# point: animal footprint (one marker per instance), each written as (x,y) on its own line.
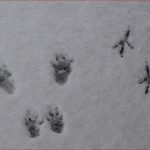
(62,68)
(33,122)
(122,42)
(146,78)
(55,119)
(5,79)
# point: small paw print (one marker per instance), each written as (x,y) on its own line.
(55,119)
(62,68)
(33,122)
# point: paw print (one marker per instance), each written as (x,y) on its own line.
(55,119)
(62,68)
(33,122)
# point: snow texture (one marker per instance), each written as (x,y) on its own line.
(102,103)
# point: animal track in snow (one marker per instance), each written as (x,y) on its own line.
(33,122)
(146,78)
(55,119)
(122,42)
(62,68)
(6,82)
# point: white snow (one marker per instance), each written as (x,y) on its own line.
(102,102)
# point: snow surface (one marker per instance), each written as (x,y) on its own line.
(102,103)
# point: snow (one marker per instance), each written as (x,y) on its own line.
(102,103)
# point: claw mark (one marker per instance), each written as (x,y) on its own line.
(122,42)
(146,79)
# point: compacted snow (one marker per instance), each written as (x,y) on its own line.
(96,101)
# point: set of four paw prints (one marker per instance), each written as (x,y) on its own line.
(32,120)
(62,69)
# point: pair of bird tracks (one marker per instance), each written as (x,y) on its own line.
(120,45)
(33,121)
